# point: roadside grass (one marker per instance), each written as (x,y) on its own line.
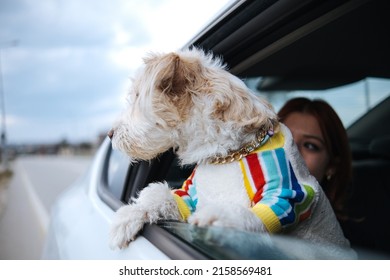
(5,177)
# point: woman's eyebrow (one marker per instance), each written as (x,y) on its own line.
(311,136)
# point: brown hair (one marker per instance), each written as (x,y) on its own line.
(337,145)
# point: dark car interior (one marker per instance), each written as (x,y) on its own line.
(370,189)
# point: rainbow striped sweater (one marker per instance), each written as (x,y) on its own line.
(277,197)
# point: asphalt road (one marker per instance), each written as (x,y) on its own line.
(36,183)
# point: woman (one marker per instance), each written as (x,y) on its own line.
(323,143)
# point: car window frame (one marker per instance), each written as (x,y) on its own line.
(139,175)
(103,190)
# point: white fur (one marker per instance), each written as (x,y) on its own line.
(230,207)
(188,101)
(154,203)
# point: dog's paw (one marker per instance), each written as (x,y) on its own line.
(128,222)
(154,203)
(233,216)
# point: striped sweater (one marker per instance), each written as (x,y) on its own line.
(277,197)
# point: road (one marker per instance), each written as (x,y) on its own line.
(36,183)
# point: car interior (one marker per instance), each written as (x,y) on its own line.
(302,44)
(370,188)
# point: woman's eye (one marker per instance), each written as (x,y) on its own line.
(311,146)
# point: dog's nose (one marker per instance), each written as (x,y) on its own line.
(110,133)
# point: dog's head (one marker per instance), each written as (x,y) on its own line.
(188,101)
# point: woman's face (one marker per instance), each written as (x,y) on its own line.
(310,141)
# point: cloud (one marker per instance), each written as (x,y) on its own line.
(59,23)
(69,74)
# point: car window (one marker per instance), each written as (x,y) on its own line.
(121,181)
(118,165)
(350,101)
(229,243)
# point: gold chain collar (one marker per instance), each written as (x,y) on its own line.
(261,137)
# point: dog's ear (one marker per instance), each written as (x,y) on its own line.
(245,112)
(178,74)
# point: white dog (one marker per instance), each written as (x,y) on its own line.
(249,173)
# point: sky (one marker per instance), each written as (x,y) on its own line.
(66,64)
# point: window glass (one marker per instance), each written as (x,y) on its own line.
(231,243)
(350,101)
(118,164)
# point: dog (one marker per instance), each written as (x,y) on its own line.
(249,174)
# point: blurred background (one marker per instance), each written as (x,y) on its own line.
(65,68)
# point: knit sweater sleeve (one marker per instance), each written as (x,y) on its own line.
(285,210)
(278,198)
(186,198)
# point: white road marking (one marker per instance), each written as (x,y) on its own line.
(38,207)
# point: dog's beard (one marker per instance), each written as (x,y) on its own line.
(141,143)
